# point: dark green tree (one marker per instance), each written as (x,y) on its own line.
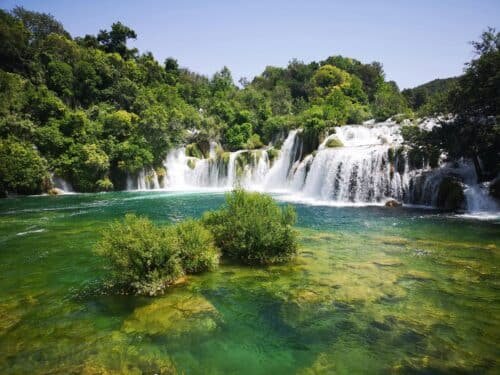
(115,40)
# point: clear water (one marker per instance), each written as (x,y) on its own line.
(373,290)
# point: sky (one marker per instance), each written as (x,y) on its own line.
(416,41)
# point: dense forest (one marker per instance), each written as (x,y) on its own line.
(92,110)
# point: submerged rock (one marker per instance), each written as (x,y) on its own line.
(174,315)
(393,203)
(55,191)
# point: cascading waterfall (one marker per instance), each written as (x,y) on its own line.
(360,170)
(279,175)
(366,164)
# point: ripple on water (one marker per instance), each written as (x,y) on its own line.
(31,232)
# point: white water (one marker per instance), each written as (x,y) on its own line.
(62,184)
(279,175)
(359,173)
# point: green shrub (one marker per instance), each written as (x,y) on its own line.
(22,169)
(104,184)
(143,257)
(197,247)
(253,142)
(253,229)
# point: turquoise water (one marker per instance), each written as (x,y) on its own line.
(373,290)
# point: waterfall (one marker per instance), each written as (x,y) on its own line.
(231,170)
(278,176)
(61,184)
(478,199)
(357,164)
(353,174)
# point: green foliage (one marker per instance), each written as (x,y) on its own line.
(39,25)
(424,146)
(194,151)
(43,104)
(198,252)
(478,91)
(142,257)
(328,77)
(104,184)
(253,142)
(146,259)
(191,163)
(22,170)
(334,142)
(85,164)
(115,40)
(11,93)
(14,43)
(238,135)
(450,194)
(60,78)
(388,101)
(272,154)
(357,113)
(253,229)
(432,97)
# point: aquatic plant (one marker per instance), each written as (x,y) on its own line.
(253,229)
(197,249)
(142,257)
(145,258)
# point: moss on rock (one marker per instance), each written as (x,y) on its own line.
(272,154)
(334,142)
(194,151)
(191,163)
(174,315)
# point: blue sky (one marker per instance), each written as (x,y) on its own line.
(416,41)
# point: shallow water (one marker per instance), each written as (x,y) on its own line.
(373,290)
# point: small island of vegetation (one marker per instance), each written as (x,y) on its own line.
(250,228)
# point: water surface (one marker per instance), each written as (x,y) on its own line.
(373,290)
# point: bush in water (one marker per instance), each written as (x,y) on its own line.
(197,249)
(145,258)
(253,229)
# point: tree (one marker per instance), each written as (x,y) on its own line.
(388,101)
(60,79)
(478,91)
(116,40)
(222,81)
(22,169)
(14,39)
(40,25)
